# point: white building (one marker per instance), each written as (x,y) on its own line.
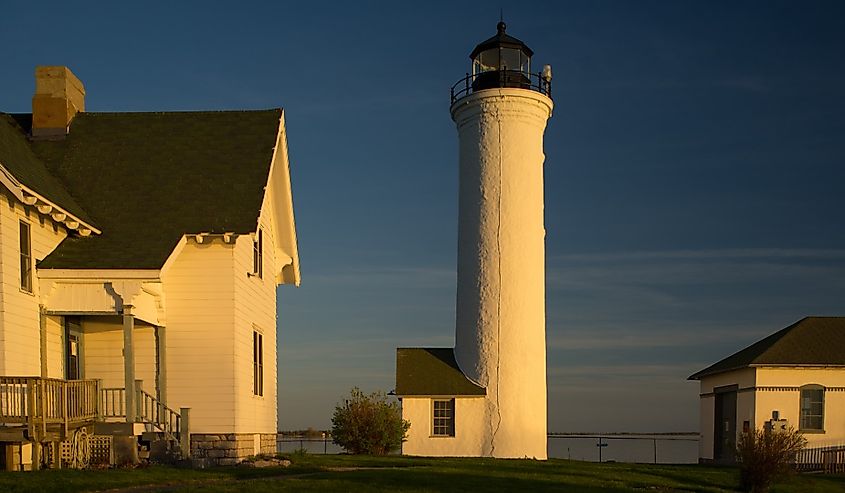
(139,259)
(487,397)
(796,375)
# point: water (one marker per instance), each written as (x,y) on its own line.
(311,445)
(639,449)
(628,449)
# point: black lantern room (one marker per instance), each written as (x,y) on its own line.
(502,61)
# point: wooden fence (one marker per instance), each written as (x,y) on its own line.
(829,459)
(40,402)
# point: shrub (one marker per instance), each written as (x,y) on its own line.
(765,456)
(369,424)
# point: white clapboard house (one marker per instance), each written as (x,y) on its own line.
(139,259)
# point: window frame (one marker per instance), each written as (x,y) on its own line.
(25,256)
(804,412)
(443,418)
(257,363)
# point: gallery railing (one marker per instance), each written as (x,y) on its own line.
(501,79)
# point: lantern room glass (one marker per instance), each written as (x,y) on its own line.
(501,59)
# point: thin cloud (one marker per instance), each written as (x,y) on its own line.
(712,254)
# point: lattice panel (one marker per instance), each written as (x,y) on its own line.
(101,446)
(66,453)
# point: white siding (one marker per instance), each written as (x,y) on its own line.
(200,304)
(470,436)
(55,347)
(102,352)
(787,402)
(19,337)
(255,309)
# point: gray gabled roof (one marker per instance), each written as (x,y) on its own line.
(811,341)
(431,372)
(17,156)
(146,179)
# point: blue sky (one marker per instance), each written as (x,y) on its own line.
(694,171)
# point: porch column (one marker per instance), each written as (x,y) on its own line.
(42,331)
(129,362)
(161,364)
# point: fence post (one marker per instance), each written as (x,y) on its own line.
(140,405)
(185,432)
(654,440)
(599,447)
(30,406)
(99,400)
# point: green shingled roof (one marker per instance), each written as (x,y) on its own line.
(17,157)
(431,372)
(148,178)
(812,341)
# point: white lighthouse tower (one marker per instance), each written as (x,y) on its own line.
(500,339)
(496,396)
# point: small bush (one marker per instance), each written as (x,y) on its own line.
(766,456)
(369,424)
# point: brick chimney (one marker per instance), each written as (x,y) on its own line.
(59,96)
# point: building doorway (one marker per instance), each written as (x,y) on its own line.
(73,348)
(724,441)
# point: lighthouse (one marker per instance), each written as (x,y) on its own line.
(487,396)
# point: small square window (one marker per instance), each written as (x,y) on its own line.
(443,424)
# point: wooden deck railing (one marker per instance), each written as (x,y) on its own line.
(113,402)
(147,409)
(150,410)
(42,405)
(38,402)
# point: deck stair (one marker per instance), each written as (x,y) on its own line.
(50,413)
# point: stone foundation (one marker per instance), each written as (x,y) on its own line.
(227,449)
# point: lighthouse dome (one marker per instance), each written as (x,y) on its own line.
(501,61)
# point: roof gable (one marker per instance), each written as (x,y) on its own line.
(432,372)
(811,341)
(149,178)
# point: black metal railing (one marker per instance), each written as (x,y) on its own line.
(673,448)
(498,79)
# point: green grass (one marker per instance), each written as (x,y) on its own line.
(408,474)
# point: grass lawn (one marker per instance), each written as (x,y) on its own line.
(363,474)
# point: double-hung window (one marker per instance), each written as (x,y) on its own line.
(257,363)
(443,411)
(812,408)
(26,257)
(257,255)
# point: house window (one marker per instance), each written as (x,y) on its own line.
(444,418)
(26,258)
(257,363)
(812,408)
(257,255)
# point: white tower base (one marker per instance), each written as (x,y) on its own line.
(500,327)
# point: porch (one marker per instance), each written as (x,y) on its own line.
(38,411)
